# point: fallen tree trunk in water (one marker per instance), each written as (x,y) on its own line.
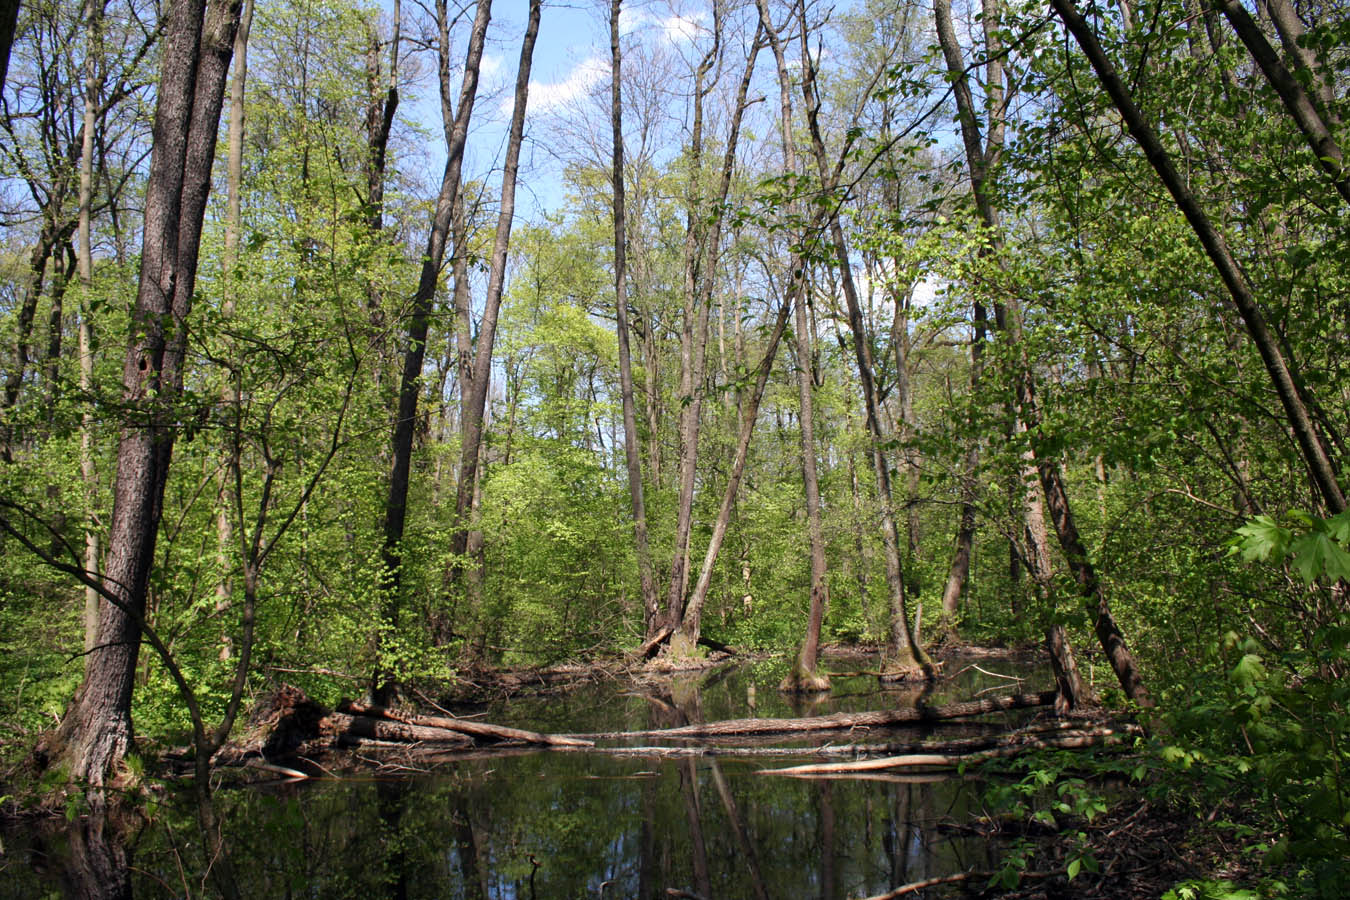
(1102,738)
(841,721)
(480,731)
(1059,735)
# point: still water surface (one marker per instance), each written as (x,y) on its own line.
(573,824)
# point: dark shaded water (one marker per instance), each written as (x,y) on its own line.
(546,825)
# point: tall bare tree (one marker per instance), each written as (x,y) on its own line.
(651,603)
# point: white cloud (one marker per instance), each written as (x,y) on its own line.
(489,66)
(631,19)
(683,29)
(548,97)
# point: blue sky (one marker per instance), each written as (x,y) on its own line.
(571,60)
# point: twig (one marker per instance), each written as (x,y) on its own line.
(931,882)
(995,674)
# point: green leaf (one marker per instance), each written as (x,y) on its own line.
(1315,554)
(1262,539)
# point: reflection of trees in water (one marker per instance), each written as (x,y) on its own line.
(389,797)
(97,864)
(694,816)
(637,827)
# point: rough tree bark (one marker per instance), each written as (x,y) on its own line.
(96,732)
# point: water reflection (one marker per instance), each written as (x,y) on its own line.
(542,825)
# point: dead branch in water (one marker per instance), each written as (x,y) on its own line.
(841,721)
(1099,738)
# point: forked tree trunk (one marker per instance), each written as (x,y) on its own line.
(693,335)
(96,732)
(688,634)
(702,252)
(651,604)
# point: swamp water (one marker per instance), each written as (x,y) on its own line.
(542,824)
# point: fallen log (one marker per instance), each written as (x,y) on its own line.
(839,721)
(944,760)
(341,727)
(652,644)
(1029,739)
(476,730)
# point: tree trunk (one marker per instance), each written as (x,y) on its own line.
(9,21)
(230,393)
(88,474)
(96,732)
(804,675)
(693,336)
(688,634)
(396,505)
(651,604)
(472,425)
(980,160)
(1297,101)
(905,658)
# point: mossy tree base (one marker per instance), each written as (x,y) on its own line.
(681,648)
(907,666)
(801,680)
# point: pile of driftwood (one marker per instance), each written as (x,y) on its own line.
(288,724)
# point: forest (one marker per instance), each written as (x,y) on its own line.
(342,355)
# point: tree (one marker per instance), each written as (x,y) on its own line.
(471,428)
(96,731)
(632,455)
(804,675)
(383,685)
(904,657)
(9,20)
(1320,467)
(981,161)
